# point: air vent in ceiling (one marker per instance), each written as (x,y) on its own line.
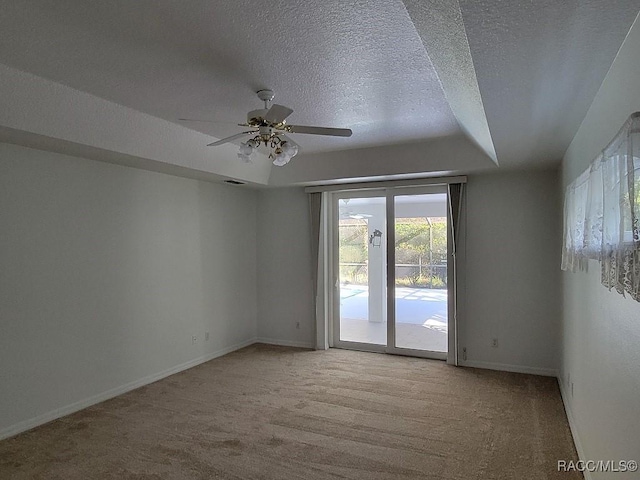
(234,182)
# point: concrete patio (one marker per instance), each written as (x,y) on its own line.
(421,318)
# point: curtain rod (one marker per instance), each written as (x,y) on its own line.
(417,182)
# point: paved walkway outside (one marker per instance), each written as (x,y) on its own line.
(421,318)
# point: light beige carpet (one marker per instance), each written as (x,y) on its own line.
(269,412)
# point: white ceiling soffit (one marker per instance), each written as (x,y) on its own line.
(439,156)
(47,115)
(539,64)
(440,26)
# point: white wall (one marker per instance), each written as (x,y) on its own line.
(285,291)
(512,272)
(105,274)
(601,329)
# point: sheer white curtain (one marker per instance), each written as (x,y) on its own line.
(601,213)
(576,242)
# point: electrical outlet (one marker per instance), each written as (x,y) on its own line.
(206,336)
(298,325)
(464,353)
(194,339)
(494,342)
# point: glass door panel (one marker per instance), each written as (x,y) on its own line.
(362,270)
(421,272)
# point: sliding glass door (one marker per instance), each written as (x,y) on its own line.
(390,264)
(362,279)
(420,256)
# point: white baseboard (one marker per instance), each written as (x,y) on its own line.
(284,343)
(114,392)
(546,372)
(572,427)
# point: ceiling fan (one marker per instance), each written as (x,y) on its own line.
(269,127)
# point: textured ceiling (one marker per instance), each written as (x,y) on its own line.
(347,64)
(539,65)
(441,27)
(425,82)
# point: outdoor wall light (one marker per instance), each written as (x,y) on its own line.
(375,238)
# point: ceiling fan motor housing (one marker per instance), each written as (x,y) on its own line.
(256,117)
(265,95)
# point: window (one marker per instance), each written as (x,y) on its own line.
(601,213)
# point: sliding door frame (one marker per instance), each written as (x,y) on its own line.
(335,264)
(389,193)
(392,193)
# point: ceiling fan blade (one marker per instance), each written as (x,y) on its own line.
(335,132)
(277,113)
(205,121)
(229,139)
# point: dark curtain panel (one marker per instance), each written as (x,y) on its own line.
(315,203)
(455,207)
(454,196)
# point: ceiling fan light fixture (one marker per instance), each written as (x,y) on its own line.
(246,149)
(289,149)
(281,159)
(245,158)
(245,152)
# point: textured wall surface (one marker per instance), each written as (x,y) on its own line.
(512,272)
(106,272)
(285,291)
(601,329)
